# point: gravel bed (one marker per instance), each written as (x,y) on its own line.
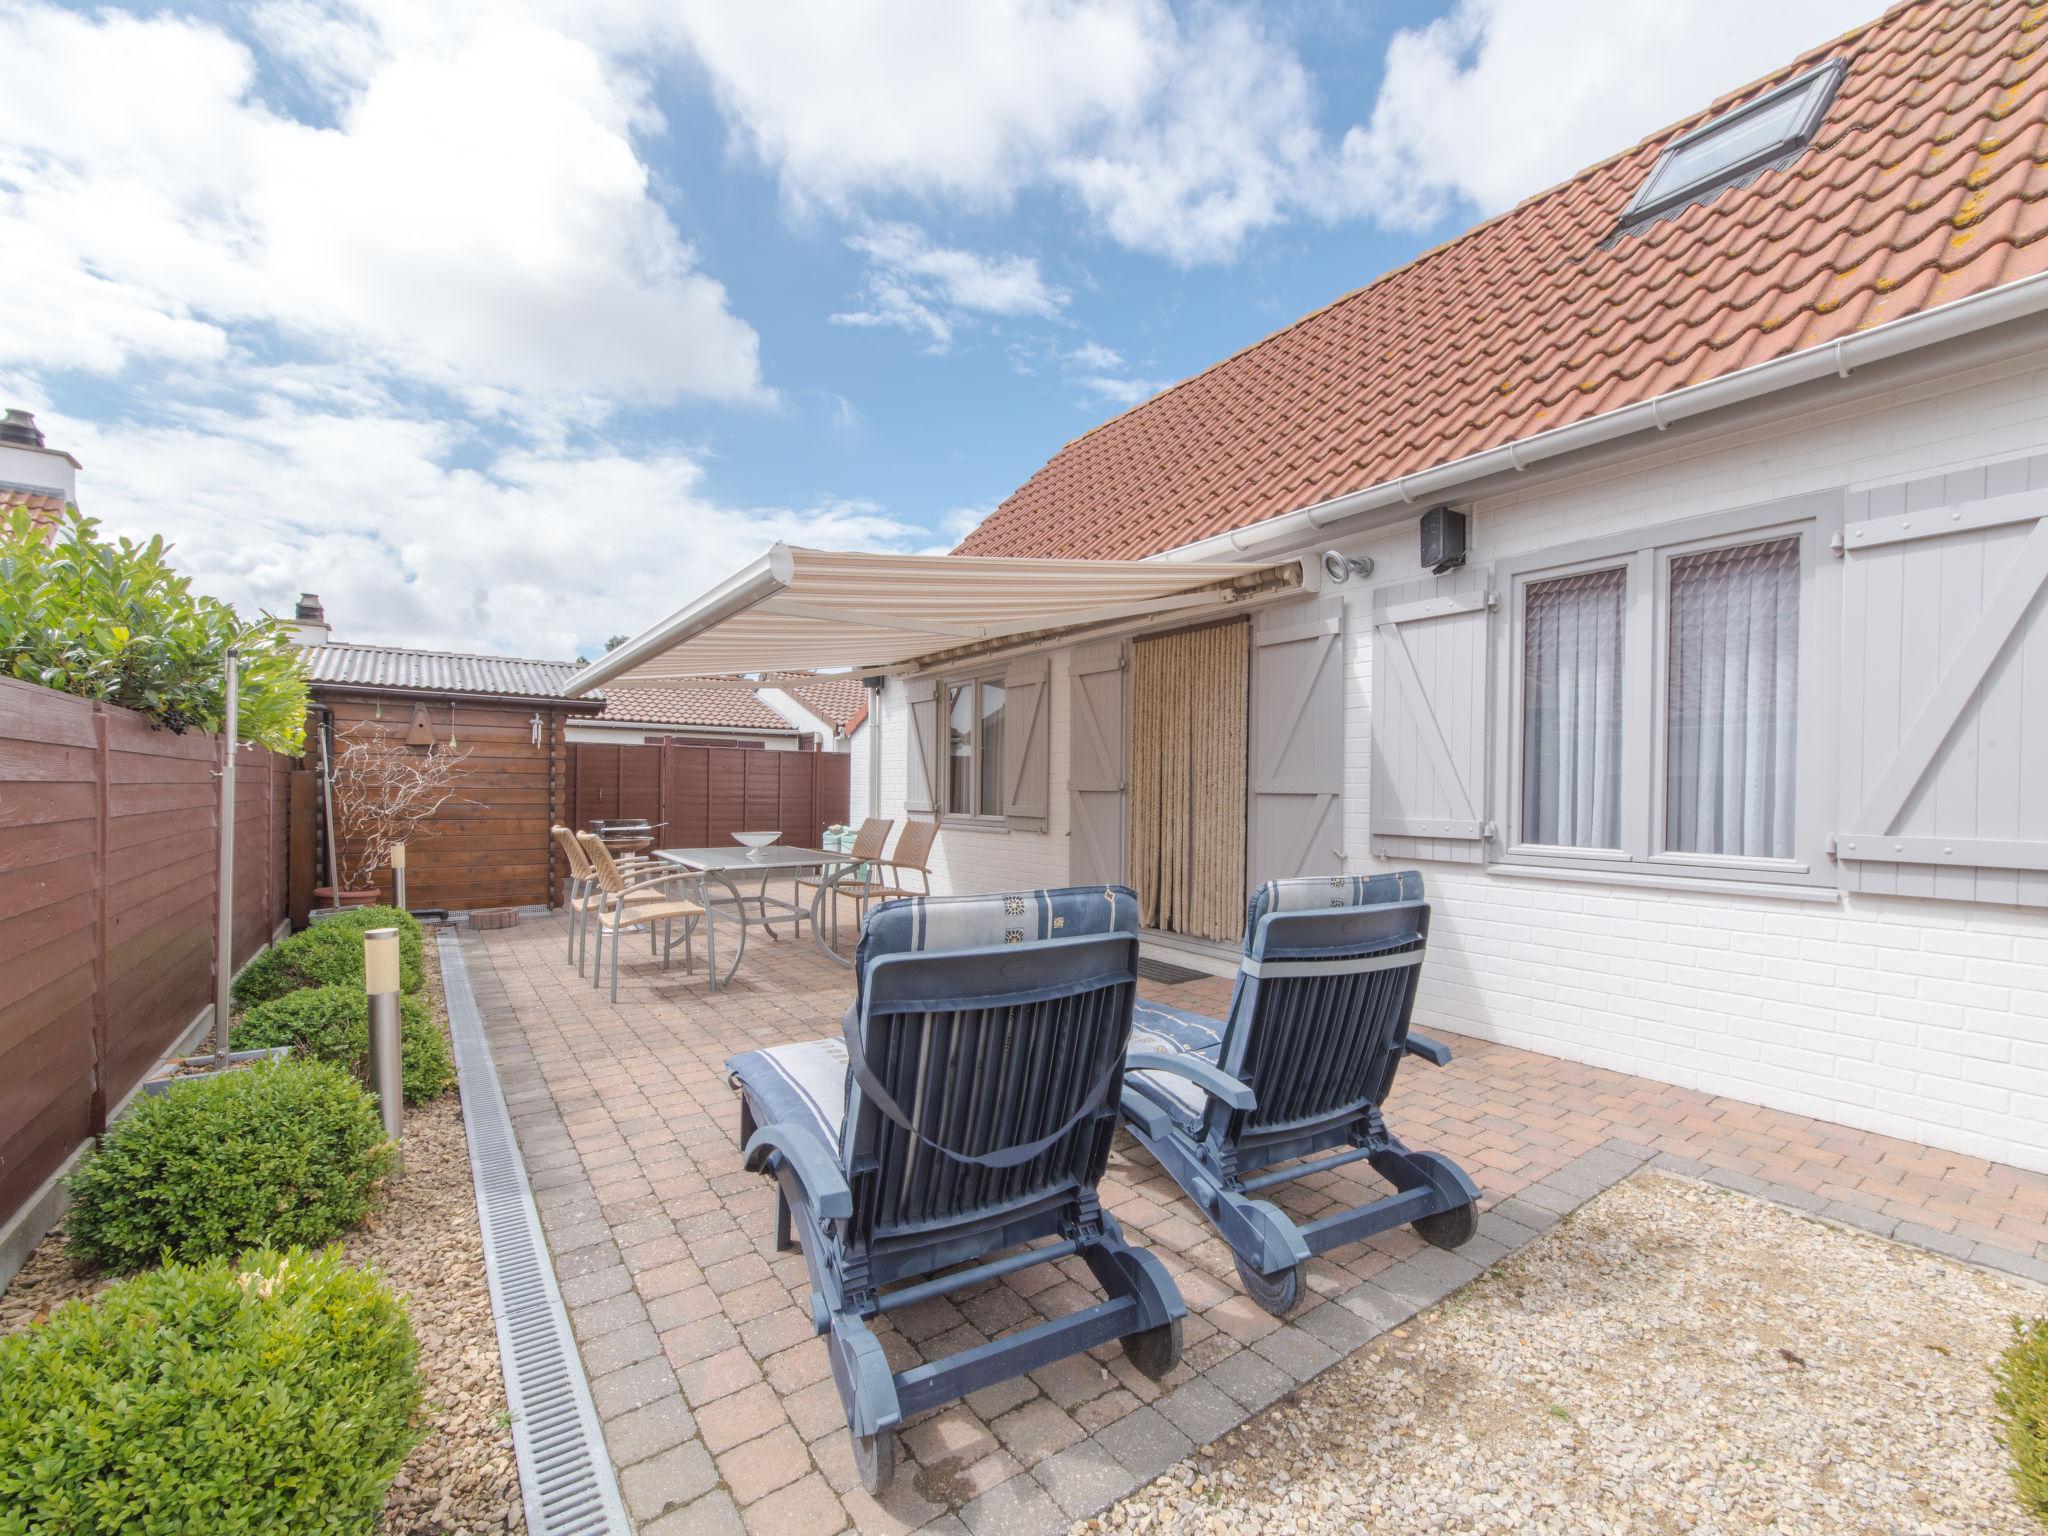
(1674,1357)
(461,1480)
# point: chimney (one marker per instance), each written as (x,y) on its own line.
(29,464)
(311,619)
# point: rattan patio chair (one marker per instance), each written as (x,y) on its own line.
(967,1111)
(623,909)
(583,895)
(867,848)
(1301,1067)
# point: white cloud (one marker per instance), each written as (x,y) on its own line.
(1121,391)
(478,220)
(536,553)
(928,289)
(1180,138)
(1094,355)
(1501,98)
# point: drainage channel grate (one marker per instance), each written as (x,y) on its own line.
(565,1472)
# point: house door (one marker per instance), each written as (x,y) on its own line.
(1188,736)
(1098,767)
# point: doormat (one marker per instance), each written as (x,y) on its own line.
(1172,975)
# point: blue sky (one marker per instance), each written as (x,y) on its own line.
(513,325)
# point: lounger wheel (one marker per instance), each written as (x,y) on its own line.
(875,1456)
(1279,1294)
(1155,1351)
(1449,1229)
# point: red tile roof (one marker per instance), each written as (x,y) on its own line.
(43,509)
(1924,183)
(840,701)
(735,707)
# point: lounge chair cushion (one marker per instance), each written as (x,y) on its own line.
(802,1084)
(973,922)
(1172,1031)
(1310,891)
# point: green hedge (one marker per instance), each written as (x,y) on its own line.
(2022,1398)
(333,1024)
(266,1155)
(330,954)
(274,1393)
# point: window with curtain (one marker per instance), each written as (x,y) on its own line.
(974,748)
(1572,661)
(1657,679)
(1732,695)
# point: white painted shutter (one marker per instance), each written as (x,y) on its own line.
(1944,728)
(1430,683)
(1027,743)
(921,774)
(1297,740)
(1097,772)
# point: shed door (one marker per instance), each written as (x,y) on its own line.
(1430,679)
(1297,740)
(1945,689)
(1097,778)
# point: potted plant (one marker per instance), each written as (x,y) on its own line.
(383,792)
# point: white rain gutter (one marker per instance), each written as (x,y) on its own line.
(1979,312)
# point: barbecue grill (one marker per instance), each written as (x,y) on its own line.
(625,835)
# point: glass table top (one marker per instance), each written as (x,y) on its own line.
(774,856)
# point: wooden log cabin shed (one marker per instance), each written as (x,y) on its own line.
(491,848)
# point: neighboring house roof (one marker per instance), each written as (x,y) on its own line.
(838,701)
(1923,184)
(727,707)
(41,506)
(393,667)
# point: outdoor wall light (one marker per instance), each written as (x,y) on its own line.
(1339,567)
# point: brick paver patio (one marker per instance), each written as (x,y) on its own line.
(716,1399)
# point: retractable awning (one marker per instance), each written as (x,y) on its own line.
(812,610)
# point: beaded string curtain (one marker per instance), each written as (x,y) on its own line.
(1188,779)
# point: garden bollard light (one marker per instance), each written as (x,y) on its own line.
(398,876)
(380,980)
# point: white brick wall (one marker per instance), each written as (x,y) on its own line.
(1924,1019)
(1927,1020)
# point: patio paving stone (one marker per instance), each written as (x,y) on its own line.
(716,1398)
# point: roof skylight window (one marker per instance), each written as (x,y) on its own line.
(1735,146)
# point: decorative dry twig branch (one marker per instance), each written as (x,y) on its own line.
(384,792)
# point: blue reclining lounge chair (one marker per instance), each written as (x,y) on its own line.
(1318,1023)
(969,1110)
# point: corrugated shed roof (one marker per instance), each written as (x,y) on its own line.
(389,666)
(1926,182)
(734,707)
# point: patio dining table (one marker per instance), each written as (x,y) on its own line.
(730,866)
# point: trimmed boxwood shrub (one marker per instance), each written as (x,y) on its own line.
(333,1024)
(330,954)
(2022,1398)
(273,1393)
(266,1155)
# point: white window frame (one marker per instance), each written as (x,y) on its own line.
(1646,555)
(980,817)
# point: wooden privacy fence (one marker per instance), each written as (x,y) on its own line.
(108,857)
(702,795)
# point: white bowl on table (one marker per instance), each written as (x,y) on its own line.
(755,841)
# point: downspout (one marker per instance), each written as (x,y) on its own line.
(875,685)
(327,802)
(1981,311)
